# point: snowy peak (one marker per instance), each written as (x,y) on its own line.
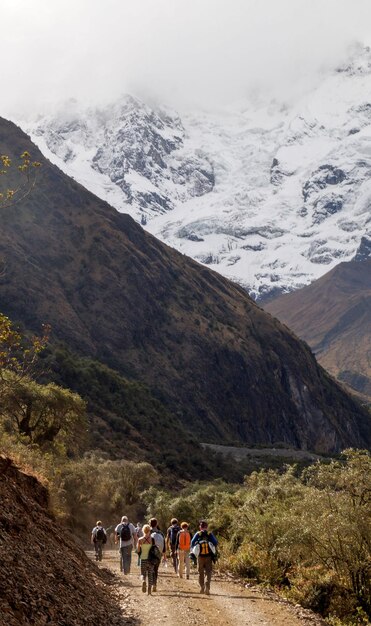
(359,63)
(139,149)
(271,195)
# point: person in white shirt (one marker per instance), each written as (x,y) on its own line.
(126,534)
(98,539)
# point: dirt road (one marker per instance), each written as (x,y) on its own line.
(179,603)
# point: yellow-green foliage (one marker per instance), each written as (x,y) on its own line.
(191,505)
(26,181)
(311,533)
(44,415)
(308,534)
(95,488)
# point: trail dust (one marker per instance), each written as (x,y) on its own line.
(177,602)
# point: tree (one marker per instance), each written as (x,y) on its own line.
(46,415)
(18,354)
(25,184)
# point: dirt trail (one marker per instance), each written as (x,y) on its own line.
(179,603)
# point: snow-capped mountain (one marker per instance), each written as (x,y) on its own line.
(271,195)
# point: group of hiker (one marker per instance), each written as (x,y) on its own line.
(152,545)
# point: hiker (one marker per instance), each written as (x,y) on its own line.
(146,566)
(110,535)
(98,539)
(159,539)
(171,536)
(125,531)
(204,544)
(138,530)
(183,546)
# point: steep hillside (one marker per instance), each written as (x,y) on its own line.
(333,315)
(225,369)
(45,578)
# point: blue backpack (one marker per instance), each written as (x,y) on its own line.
(173,533)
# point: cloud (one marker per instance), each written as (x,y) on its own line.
(199,50)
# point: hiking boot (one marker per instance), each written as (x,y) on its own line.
(154,588)
(187,577)
(207,592)
(202,590)
(144,586)
(149,591)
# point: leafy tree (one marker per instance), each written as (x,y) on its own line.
(18,354)
(45,415)
(27,180)
(192,504)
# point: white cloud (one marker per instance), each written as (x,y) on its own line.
(203,50)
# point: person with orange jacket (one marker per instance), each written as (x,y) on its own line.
(183,546)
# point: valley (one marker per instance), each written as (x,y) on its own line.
(185,312)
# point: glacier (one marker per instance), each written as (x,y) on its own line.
(271,194)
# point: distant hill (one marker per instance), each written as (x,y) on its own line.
(226,370)
(333,315)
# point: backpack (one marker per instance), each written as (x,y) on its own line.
(100,535)
(125,532)
(184,540)
(172,533)
(154,554)
(159,539)
(204,543)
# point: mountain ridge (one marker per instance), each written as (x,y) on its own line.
(111,291)
(333,315)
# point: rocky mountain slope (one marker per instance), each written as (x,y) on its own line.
(270,194)
(225,369)
(45,577)
(333,315)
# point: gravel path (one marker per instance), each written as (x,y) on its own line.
(179,603)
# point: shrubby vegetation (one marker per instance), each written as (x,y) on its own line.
(308,535)
(311,534)
(94,487)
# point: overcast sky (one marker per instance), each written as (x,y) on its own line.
(178,50)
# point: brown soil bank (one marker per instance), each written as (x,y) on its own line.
(45,578)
